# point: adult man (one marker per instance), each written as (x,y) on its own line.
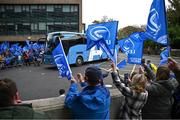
(93,101)
(9,103)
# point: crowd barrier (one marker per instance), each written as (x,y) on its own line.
(55,108)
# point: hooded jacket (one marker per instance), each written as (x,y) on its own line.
(160,99)
(23,111)
(92,102)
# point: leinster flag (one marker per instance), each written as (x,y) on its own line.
(122,64)
(157,25)
(61,61)
(133,47)
(103,35)
(164,56)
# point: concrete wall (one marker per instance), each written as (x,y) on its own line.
(55,109)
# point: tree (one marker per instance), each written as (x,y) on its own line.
(173,16)
(173,12)
(103,19)
(126,31)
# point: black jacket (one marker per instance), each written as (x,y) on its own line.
(160,99)
(20,112)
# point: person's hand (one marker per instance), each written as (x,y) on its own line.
(80,77)
(73,80)
(113,66)
(141,70)
(172,64)
(143,61)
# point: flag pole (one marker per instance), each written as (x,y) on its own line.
(133,69)
(168,42)
(110,71)
(65,56)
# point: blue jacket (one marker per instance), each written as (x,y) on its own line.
(90,103)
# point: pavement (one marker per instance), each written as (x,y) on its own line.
(44,81)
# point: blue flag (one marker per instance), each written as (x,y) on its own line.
(25,48)
(61,61)
(127,44)
(133,47)
(1,51)
(157,25)
(108,52)
(122,64)
(164,56)
(5,46)
(35,46)
(103,35)
(28,43)
(107,31)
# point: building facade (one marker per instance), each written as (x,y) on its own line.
(33,19)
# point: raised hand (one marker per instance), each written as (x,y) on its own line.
(172,64)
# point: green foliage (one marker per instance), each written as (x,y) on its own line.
(173,12)
(125,32)
(174,35)
(173,16)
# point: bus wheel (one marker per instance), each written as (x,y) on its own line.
(79,61)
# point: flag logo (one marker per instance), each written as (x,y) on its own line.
(156,29)
(128,44)
(100,32)
(60,66)
(153,24)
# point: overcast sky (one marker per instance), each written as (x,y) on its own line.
(127,12)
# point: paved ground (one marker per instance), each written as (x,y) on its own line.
(43,82)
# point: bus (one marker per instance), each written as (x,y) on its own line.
(74,45)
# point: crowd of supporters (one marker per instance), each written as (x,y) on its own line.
(18,55)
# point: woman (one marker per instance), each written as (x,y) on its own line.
(160,90)
(135,95)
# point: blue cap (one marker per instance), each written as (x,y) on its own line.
(94,73)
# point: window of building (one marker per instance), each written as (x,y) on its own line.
(50,8)
(23,28)
(10,28)
(17,8)
(66,8)
(33,26)
(2,8)
(34,7)
(74,8)
(42,26)
(2,28)
(57,6)
(25,8)
(42,7)
(9,7)
(74,23)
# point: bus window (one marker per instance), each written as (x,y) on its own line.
(66,46)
